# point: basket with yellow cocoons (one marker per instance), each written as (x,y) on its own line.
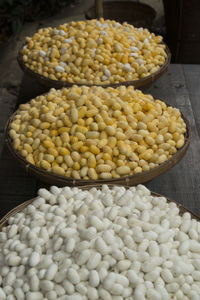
(83,135)
(99,241)
(95,52)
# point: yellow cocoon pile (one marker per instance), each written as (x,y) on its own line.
(94,52)
(97,133)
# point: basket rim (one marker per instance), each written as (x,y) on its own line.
(20,207)
(139,83)
(156,171)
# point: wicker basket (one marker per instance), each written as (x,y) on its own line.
(19,208)
(140,83)
(134,13)
(54,179)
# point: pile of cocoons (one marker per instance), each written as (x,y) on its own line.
(94,52)
(95,133)
(110,243)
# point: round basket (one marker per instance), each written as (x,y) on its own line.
(142,83)
(59,180)
(137,14)
(19,208)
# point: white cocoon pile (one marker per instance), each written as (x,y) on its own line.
(108,243)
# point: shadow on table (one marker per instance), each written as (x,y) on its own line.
(16,185)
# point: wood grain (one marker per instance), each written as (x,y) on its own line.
(1,142)
(182,183)
(192,79)
(16,186)
(7,106)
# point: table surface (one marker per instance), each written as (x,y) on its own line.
(179,87)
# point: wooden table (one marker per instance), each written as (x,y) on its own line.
(179,87)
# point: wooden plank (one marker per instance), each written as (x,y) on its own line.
(192,79)
(16,185)
(181,183)
(8,202)
(20,186)
(9,165)
(7,104)
(171,87)
(1,142)
(30,89)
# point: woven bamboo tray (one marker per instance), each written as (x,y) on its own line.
(54,179)
(140,83)
(19,208)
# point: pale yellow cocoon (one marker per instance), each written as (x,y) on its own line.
(77,132)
